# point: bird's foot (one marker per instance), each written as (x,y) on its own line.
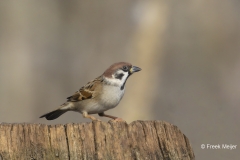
(97,120)
(117,120)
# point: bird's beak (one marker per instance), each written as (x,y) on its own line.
(135,69)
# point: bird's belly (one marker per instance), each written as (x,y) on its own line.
(90,106)
(108,100)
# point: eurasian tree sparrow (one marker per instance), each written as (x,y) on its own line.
(99,95)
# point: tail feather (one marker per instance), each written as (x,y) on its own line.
(54,114)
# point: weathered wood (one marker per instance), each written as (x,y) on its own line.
(97,140)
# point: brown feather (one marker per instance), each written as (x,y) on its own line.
(86,92)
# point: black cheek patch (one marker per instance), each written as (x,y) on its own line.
(119,76)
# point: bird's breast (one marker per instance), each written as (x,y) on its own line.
(111,96)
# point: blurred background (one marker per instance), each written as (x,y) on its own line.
(189,52)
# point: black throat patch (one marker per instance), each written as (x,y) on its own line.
(122,87)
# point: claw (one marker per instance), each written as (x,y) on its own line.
(117,120)
(98,120)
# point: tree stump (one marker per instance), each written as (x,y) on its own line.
(96,140)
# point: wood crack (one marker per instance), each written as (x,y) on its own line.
(158,138)
(68,150)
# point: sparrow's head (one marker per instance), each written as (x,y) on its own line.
(118,73)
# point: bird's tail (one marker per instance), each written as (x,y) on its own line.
(56,113)
(53,115)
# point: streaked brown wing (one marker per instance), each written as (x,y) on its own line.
(86,92)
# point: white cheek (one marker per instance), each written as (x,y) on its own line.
(117,82)
(124,77)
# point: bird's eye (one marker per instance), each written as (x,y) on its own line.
(125,68)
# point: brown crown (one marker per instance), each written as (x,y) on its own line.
(114,67)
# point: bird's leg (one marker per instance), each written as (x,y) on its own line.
(109,116)
(86,115)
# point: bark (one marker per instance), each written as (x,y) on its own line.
(97,140)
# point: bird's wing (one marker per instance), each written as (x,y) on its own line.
(88,91)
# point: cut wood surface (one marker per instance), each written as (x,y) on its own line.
(140,140)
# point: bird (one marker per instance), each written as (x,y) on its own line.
(99,95)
